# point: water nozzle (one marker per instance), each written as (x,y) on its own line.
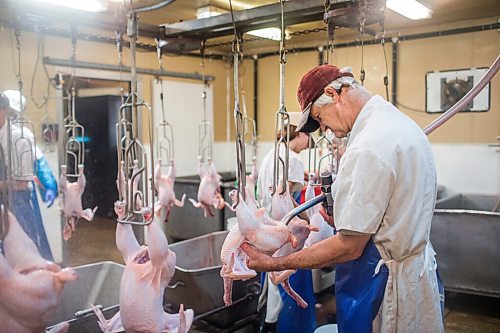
(326,188)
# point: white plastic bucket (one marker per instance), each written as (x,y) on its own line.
(330,328)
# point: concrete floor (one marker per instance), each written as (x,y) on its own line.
(95,241)
(463,313)
(92,242)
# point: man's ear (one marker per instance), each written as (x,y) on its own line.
(331,92)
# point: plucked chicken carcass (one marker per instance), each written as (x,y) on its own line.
(148,270)
(264,233)
(209,190)
(30,287)
(281,205)
(234,263)
(164,184)
(233,258)
(71,194)
(134,180)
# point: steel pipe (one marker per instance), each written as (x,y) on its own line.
(303,207)
(107,67)
(153,7)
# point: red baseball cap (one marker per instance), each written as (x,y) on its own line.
(311,87)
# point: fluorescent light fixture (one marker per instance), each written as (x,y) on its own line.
(86,5)
(412,9)
(209,11)
(269,33)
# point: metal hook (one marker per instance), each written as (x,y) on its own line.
(74,139)
(205,127)
(131,154)
(240,132)
(4,225)
(4,199)
(164,130)
(282,121)
(133,160)
(249,133)
(25,144)
(331,156)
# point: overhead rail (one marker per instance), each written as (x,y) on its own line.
(57,32)
(114,68)
(400,38)
(297,11)
(37,15)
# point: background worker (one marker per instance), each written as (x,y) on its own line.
(25,203)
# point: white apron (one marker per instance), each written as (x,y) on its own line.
(386,187)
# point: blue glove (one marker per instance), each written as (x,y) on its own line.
(47,181)
(49,197)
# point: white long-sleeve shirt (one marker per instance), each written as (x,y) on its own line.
(265,180)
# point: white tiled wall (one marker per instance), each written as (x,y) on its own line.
(468,168)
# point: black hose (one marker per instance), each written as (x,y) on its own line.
(153,7)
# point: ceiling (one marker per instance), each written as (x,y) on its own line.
(444,12)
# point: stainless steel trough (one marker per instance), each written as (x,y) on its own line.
(198,285)
(189,222)
(465,234)
(98,284)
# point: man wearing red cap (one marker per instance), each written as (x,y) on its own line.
(384,196)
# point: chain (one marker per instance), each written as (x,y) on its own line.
(19,77)
(73,55)
(382,43)
(79,35)
(238,117)
(230,43)
(253,39)
(205,84)
(330,31)
(113,39)
(362,30)
(119,49)
(307,31)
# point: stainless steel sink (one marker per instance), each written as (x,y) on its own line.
(98,284)
(465,233)
(198,284)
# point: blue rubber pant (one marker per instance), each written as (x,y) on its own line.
(27,211)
